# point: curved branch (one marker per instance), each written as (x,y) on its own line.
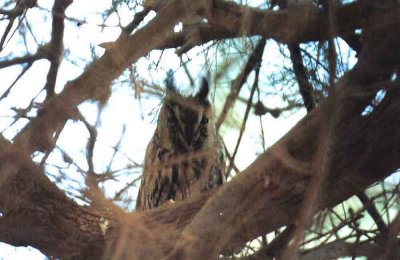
(298,24)
(292,26)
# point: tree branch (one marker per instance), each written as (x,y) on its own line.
(306,89)
(56,44)
(301,23)
(296,25)
(252,63)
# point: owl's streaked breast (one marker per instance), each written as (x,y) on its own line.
(185,156)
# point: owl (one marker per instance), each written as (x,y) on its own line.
(185,156)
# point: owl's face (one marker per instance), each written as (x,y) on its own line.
(184,122)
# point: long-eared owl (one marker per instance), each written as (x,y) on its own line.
(185,155)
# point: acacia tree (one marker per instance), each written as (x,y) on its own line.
(292,197)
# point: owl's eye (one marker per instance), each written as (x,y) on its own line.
(172,119)
(204,121)
(170,124)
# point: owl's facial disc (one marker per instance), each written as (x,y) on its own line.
(189,122)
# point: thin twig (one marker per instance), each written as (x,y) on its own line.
(237,84)
(247,112)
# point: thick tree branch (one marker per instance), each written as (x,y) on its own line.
(35,212)
(292,26)
(302,23)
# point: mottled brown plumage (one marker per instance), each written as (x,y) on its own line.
(185,156)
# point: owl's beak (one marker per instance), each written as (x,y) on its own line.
(189,136)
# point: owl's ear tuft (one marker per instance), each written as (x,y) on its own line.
(202,95)
(170,83)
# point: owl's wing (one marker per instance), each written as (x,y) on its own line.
(218,167)
(159,181)
(156,188)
